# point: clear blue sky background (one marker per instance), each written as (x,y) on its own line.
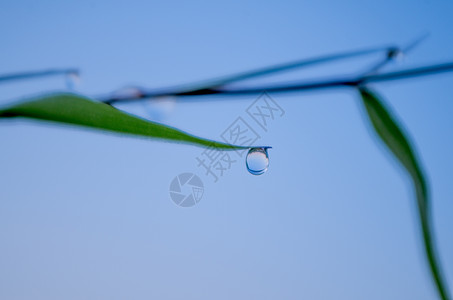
(87,215)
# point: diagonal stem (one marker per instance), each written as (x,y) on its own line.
(393,54)
(291,87)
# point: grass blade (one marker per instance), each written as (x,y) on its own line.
(294,65)
(393,137)
(209,86)
(81,111)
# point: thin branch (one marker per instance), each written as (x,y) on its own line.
(138,93)
(394,53)
(301,86)
(407,73)
(37,74)
(292,65)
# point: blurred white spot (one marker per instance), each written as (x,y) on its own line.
(159,108)
(72,80)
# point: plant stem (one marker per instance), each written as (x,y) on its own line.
(37,74)
(294,87)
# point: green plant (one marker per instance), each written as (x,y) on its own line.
(82,111)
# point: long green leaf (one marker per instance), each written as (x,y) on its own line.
(393,137)
(77,110)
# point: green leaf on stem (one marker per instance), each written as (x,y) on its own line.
(387,128)
(77,110)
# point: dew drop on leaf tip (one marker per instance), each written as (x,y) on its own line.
(257,160)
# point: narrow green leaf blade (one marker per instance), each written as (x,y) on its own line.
(81,111)
(394,138)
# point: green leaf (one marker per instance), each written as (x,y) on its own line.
(393,137)
(77,110)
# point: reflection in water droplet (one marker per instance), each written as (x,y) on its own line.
(257,160)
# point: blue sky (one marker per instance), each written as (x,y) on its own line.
(88,215)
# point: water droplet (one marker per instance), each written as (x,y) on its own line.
(257,160)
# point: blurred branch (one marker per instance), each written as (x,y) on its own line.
(37,74)
(140,94)
(395,54)
(220,86)
(207,87)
